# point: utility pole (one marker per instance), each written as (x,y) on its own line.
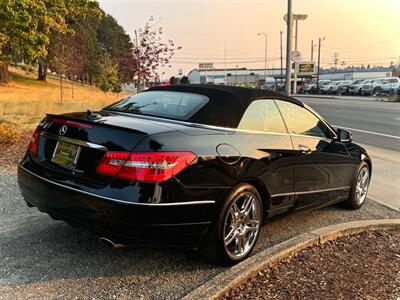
(295,63)
(288,47)
(335,59)
(319,61)
(265,58)
(281,59)
(312,50)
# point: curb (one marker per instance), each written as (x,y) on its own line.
(222,283)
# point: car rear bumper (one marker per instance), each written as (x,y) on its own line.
(177,224)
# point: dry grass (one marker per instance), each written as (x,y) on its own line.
(9,133)
(25,100)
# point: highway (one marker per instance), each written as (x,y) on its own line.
(371,122)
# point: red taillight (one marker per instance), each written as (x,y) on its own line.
(144,166)
(34,142)
(71,123)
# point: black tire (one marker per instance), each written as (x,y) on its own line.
(213,246)
(353,202)
(376,90)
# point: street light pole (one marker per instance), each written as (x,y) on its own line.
(297,18)
(265,60)
(312,50)
(288,47)
(225,63)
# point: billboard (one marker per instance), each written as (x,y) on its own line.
(306,68)
(206,66)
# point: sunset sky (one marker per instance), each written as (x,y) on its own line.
(360,31)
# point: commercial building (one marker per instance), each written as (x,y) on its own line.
(243,76)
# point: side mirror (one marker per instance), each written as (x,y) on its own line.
(344,136)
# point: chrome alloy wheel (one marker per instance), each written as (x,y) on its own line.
(242,224)
(362,185)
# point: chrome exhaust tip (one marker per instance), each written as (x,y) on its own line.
(110,244)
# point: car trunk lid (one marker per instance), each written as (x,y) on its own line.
(72,145)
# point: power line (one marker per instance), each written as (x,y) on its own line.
(365,46)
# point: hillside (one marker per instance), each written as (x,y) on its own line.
(26,100)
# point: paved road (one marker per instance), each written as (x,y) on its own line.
(372,123)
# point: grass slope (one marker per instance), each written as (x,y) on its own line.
(25,100)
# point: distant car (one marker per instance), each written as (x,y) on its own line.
(372,88)
(190,165)
(343,88)
(390,85)
(355,87)
(311,88)
(334,87)
(329,88)
(366,88)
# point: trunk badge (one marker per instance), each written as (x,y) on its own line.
(63,130)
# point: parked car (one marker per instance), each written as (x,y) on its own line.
(334,87)
(356,86)
(343,88)
(312,87)
(372,87)
(329,87)
(390,85)
(192,165)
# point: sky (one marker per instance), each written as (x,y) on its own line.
(359,31)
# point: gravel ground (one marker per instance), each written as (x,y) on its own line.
(12,153)
(41,258)
(361,266)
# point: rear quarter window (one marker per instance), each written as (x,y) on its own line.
(167,104)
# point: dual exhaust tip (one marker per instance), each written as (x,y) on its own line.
(110,244)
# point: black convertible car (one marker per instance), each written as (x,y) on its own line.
(190,165)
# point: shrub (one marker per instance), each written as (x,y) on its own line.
(117,88)
(9,133)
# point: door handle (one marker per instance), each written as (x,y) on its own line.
(304,148)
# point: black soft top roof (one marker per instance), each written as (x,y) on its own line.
(226,104)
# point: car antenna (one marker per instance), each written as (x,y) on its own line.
(92,116)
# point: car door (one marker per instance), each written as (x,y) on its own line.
(322,164)
(263,134)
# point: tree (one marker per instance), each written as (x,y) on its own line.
(108,75)
(151,52)
(66,13)
(19,36)
(118,45)
(185,80)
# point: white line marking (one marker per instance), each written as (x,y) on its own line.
(397,118)
(370,132)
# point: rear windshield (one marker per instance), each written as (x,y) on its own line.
(166,104)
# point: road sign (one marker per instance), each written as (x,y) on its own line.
(295,17)
(206,66)
(295,56)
